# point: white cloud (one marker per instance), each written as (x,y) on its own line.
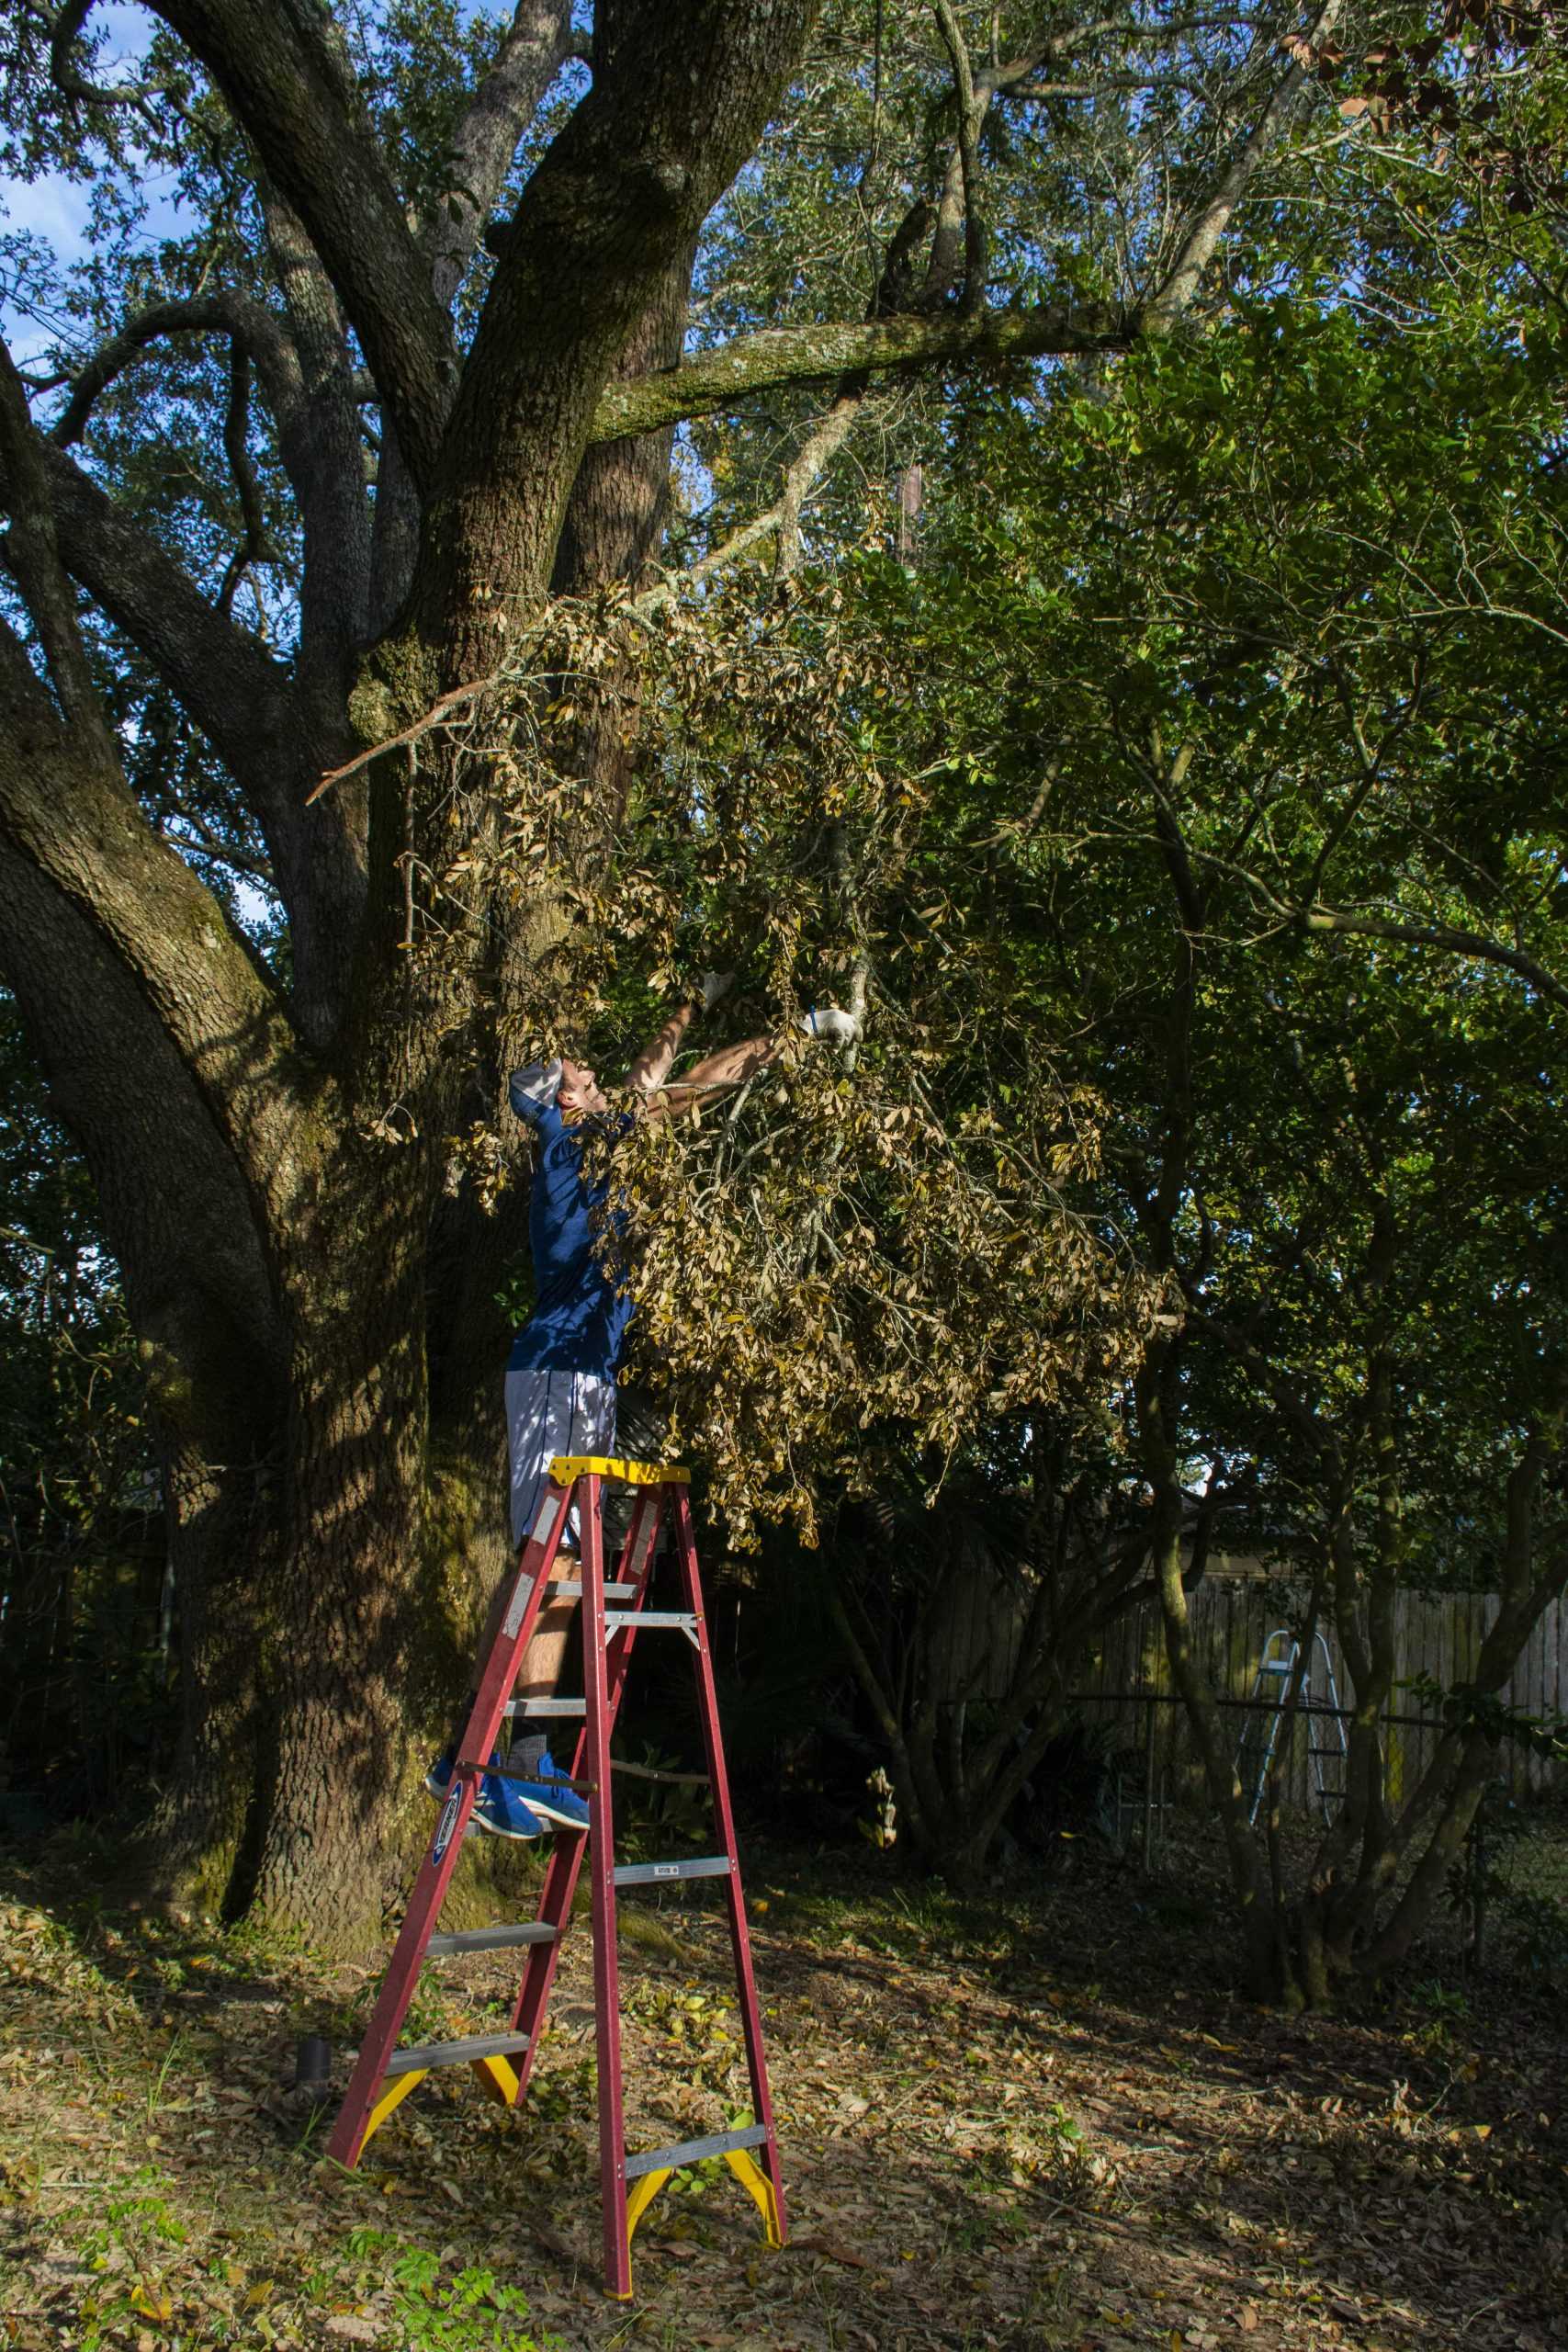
(54,209)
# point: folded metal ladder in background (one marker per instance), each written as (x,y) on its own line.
(1289,1680)
(384,2074)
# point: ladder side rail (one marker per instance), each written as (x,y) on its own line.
(349,2132)
(1327,1705)
(1268,1758)
(602,1868)
(637,1556)
(740,1935)
(1269,1669)
(1332,1684)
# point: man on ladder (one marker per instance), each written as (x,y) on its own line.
(561,1380)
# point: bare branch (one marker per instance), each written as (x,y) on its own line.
(257,546)
(248,324)
(438,710)
(806,468)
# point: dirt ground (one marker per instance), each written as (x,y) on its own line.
(1051,2122)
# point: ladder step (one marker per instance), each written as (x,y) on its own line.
(691,2151)
(488,1940)
(676,1620)
(545,1706)
(454,2054)
(653,1874)
(573,1591)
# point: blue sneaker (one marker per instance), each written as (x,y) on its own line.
(552,1796)
(498,1808)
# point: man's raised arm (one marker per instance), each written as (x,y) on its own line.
(651,1068)
(731,1065)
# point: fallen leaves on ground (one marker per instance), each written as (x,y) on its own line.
(984,2144)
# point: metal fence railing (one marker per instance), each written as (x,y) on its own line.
(1507,1893)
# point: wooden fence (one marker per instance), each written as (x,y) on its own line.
(1234,1610)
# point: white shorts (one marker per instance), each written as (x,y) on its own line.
(550,1413)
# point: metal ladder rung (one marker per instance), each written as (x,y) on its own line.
(672,1620)
(515,1707)
(656,1874)
(487,1940)
(572,1590)
(454,2054)
(691,2151)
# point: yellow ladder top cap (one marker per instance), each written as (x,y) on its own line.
(568,1466)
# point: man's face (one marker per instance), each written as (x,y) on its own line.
(578,1097)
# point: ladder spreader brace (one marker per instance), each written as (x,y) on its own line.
(384,2074)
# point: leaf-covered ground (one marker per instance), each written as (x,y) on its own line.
(1049,2123)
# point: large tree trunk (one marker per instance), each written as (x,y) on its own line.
(329,1536)
(196,1287)
(353,1501)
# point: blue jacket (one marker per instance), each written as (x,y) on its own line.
(580,1318)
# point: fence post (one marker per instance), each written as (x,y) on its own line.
(1148,1785)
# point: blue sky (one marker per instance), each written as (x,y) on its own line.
(58,209)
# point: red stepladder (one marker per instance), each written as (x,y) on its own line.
(612,1615)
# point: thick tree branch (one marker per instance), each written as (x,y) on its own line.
(973,107)
(1175,294)
(678,101)
(315,314)
(32,556)
(249,327)
(758,363)
(169,1190)
(229,684)
(537,43)
(69,812)
(320,447)
(282,68)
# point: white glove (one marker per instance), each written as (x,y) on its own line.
(716,985)
(830,1020)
